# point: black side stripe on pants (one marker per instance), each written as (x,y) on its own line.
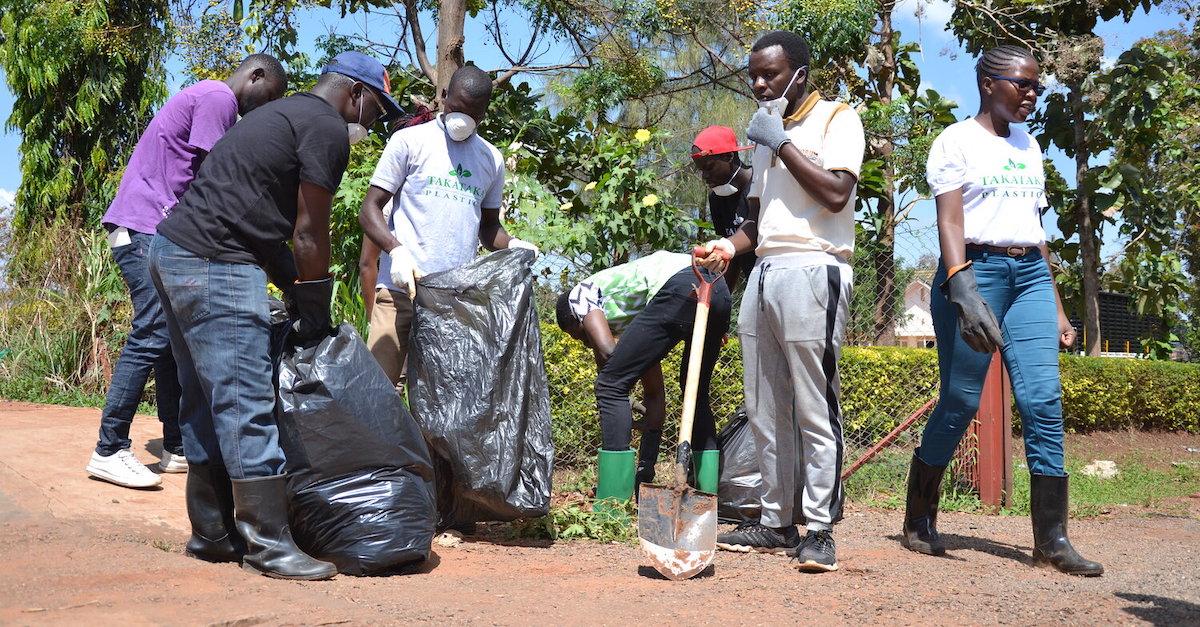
(829,368)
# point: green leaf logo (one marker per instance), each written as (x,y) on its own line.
(1013,165)
(464,173)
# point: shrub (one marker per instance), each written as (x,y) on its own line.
(1103,394)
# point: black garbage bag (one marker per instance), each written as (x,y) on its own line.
(477,386)
(360,478)
(739,490)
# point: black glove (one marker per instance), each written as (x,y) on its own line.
(976,322)
(309,304)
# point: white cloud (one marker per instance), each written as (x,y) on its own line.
(7,198)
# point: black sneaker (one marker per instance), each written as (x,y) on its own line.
(754,536)
(817,553)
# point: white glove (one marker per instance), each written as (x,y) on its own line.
(724,244)
(514,242)
(404,270)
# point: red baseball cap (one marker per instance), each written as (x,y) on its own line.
(716,140)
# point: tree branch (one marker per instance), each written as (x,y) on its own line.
(414,29)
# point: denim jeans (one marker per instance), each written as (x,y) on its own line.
(667,320)
(219,319)
(1020,292)
(147,348)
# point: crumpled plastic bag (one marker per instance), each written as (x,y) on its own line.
(739,489)
(360,477)
(477,387)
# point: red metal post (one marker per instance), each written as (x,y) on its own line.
(995,438)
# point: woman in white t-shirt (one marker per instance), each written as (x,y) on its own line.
(996,293)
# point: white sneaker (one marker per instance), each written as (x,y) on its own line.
(172,462)
(123,469)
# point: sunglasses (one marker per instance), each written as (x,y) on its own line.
(1022,84)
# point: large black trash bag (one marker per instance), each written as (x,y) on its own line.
(360,477)
(739,490)
(477,386)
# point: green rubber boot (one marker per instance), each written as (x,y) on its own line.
(706,470)
(614,480)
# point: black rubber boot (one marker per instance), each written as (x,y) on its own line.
(921,508)
(1048,507)
(647,456)
(261,511)
(209,496)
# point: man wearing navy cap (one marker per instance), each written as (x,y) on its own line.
(266,183)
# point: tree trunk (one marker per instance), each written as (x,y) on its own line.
(452,16)
(1086,229)
(884,319)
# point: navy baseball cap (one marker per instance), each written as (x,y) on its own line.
(370,72)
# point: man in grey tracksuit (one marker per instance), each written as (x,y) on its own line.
(793,316)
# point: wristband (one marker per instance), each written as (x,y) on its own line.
(951,272)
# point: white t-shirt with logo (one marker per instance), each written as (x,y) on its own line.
(790,220)
(1002,180)
(439,187)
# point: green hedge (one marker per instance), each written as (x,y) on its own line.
(1106,394)
(881,386)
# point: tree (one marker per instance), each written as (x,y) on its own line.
(86,76)
(1062,33)
(1152,110)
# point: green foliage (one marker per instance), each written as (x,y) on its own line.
(1101,394)
(835,29)
(86,76)
(62,342)
(211,44)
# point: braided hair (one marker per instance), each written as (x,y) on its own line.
(1000,59)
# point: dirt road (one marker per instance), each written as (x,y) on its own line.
(74,550)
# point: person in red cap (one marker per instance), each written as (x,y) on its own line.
(715,155)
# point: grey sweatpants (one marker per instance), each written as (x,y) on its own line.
(791,324)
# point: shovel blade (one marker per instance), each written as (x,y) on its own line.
(677,528)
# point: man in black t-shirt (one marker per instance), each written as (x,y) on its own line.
(268,181)
(715,155)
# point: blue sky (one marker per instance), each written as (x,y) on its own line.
(944,66)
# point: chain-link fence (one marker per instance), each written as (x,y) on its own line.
(885,384)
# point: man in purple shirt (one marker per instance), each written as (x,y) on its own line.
(163,164)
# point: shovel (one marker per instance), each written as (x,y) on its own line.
(677,524)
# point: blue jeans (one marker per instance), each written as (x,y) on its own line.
(147,348)
(1020,292)
(220,327)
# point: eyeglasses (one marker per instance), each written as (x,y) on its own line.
(1022,84)
(375,99)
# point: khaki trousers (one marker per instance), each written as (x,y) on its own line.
(387,337)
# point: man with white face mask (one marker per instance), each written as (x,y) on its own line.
(793,316)
(715,155)
(434,198)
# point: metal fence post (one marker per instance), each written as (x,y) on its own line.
(995,438)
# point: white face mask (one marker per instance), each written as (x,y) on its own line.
(728,189)
(459,126)
(779,105)
(357,131)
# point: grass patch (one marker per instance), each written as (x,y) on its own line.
(881,483)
